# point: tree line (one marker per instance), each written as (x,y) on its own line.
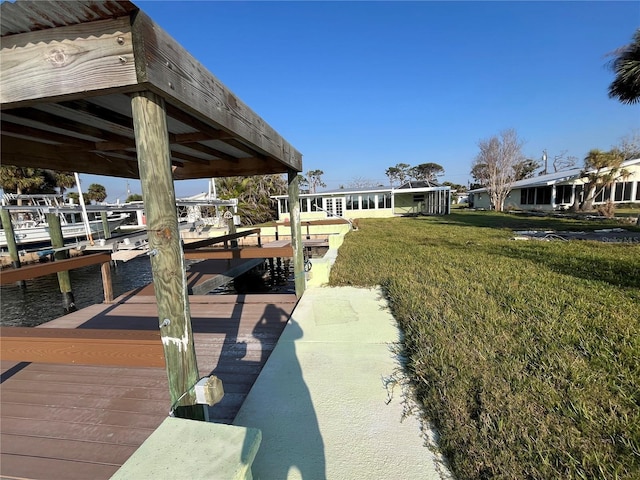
(35,181)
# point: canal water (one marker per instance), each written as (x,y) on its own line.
(40,300)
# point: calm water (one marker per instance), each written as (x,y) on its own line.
(41,301)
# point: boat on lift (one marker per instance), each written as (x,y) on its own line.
(30,225)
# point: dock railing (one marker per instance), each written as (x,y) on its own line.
(14,275)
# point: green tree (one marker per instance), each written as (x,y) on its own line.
(427,172)
(601,170)
(20,180)
(134,197)
(63,181)
(96,193)
(75,196)
(254,195)
(626,66)
(525,169)
(399,174)
(303,183)
(314,180)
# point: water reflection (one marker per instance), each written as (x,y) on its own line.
(40,300)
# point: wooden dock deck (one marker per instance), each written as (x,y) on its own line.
(84,421)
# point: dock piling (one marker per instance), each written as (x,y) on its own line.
(64,279)
(11,241)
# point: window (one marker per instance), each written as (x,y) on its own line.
(528,196)
(419,198)
(623,191)
(563,194)
(352,202)
(543,195)
(316,204)
(284,205)
(603,195)
(368,202)
(304,204)
(384,200)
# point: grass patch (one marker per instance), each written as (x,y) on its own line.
(524,355)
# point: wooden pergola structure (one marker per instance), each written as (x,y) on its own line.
(97,87)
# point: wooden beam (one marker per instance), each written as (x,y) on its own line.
(171,71)
(63,122)
(296,233)
(8,276)
(167,262)
(222,238)
(7,127)
(54,63)
(82,346)
(244,252)
(25,153)
(213,133)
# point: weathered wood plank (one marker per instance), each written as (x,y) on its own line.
(93,347)
(221,239)
(67,61)
(243,252)
(27,153)
(9,276)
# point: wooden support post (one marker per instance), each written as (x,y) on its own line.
(167,260)
(11,241)
(64,279)
(105,225)
(231,225)
(107,285)
(296,233)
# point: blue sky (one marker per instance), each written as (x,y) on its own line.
(358,87)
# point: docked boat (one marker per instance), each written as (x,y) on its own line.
(30,227)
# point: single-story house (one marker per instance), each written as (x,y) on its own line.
(557,191)
(412,198)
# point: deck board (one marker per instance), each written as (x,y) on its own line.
(83,421)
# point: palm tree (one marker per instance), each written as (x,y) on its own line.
(20,180)
(253,194)
(602,169)
(64,181)
(96,193)
(626,65)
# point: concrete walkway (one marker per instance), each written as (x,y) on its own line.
(321,402)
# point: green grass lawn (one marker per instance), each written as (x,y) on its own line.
(525,354)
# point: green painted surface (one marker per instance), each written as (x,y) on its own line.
(189,449)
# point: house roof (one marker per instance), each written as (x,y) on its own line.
(413,184)
(565,176)
(69,70)
(357,191)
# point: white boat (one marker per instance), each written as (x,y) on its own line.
(30,226)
